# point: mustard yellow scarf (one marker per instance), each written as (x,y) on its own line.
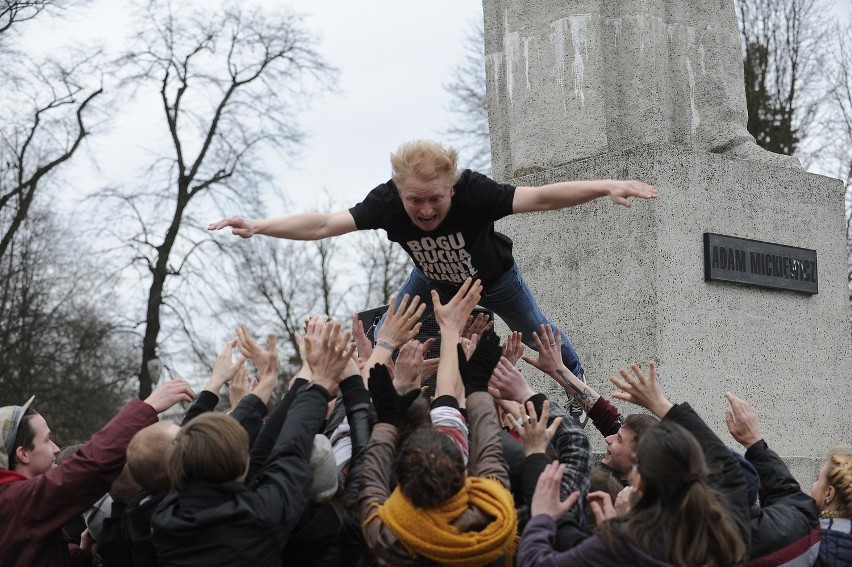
(428,532)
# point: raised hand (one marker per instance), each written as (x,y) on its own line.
(168,394)
(390,406)
(548,343)
(620,192)
(305,371)
(468,345)
(363,345)
(224,369)
(742,421)
(408,369)
(625,500)
(240,226)
(507,383)
(642,390)
(601,504)
(476,325)
(328,352)
(545,499)
(533,431)
(265,360)
(239,386)
(513,348)
(453,316)
(402,322)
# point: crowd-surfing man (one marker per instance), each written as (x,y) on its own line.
(444,220)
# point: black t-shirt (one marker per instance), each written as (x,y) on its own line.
(464,244)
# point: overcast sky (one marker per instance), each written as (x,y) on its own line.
(393,55)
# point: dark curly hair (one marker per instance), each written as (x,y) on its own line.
(429,468)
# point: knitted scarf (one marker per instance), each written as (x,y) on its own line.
(429,532)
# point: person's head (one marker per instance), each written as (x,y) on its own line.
(424,173)
(621,446)
(211,448)
(27,447)
(677,505)
(429,468)
(601,481)
(147,455)
(832,490)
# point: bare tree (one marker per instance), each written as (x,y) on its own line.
(470,131)
(386,266)
(782,41)
(836,122)
(279,284)
(230,85)
(16,11)
(58,339)
(42,125)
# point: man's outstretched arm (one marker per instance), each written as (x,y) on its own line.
(302,226)
(571,193)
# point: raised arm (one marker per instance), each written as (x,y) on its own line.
(401,325)
(549,361)
(451,320)
(572,193)
(302,226)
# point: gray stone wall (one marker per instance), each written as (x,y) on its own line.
(628,285)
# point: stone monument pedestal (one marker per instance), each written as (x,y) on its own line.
(627,284)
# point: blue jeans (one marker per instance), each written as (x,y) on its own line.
(509,298)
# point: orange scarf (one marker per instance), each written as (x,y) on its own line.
(429,532)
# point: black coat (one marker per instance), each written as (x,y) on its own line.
(786,524)
(231,524)
(329,534)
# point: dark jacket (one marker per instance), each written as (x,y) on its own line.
(785,527)
(34,510)
(835,548)
(231,524)
(329,534)
(113,547)
(537,543)
(726,476)
(136,528)
(573,446)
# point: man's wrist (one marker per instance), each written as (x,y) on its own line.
(214,387)
(385,345)
(661,408)
(328,388)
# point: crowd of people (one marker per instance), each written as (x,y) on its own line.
(359,465)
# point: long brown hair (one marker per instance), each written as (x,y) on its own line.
(678,518)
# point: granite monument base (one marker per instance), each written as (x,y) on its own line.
(628,284)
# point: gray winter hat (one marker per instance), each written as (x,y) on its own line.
(10,419)
(324,468)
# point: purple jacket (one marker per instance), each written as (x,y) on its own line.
(537,549)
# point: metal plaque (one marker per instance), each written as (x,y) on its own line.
(762,264)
